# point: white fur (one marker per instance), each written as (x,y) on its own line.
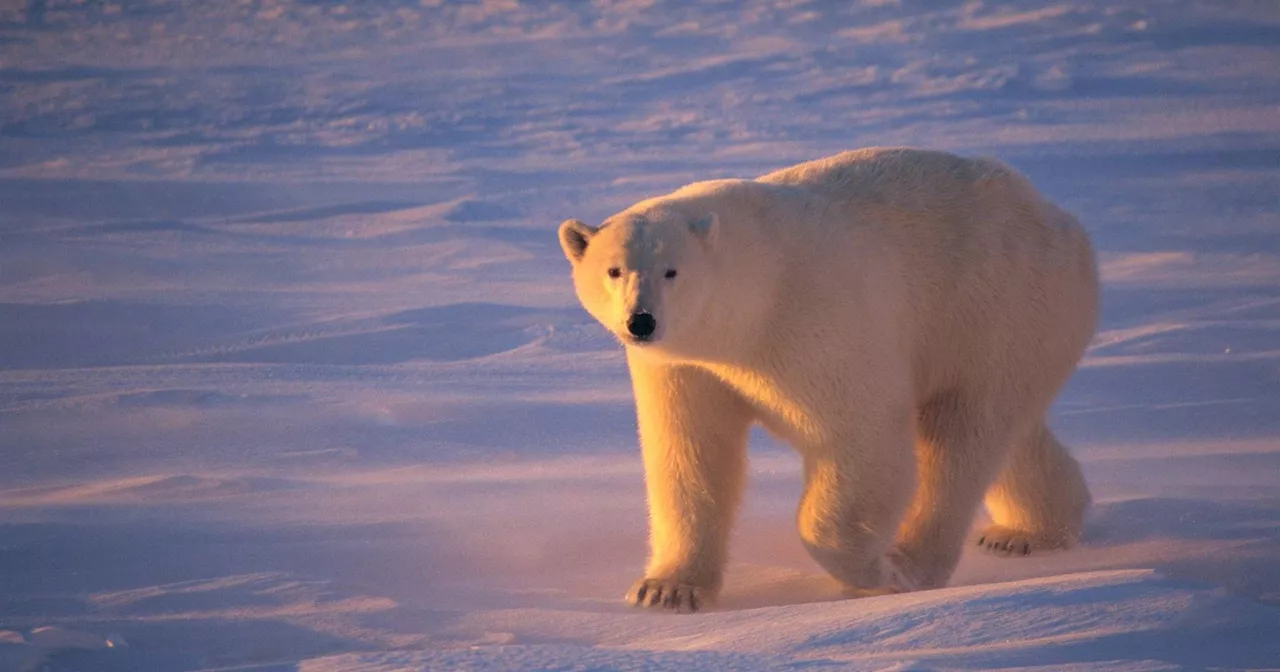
(903,318)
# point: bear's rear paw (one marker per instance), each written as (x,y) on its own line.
(1006,541)
(667,594)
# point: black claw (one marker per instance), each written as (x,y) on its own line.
(644,588)
(981,539)
(656,597)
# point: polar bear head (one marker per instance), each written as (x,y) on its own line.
(644,274)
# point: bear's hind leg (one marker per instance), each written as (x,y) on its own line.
(1039,500)
(961,445)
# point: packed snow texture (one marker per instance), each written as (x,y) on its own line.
(292,376)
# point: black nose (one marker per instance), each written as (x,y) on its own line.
(642,325)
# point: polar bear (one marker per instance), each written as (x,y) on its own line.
(903,318)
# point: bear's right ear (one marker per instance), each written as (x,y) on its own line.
(706,227)
(574,236)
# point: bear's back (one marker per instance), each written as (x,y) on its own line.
(893,176)
(936,204)
(983,259)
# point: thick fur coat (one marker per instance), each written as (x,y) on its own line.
(902,318)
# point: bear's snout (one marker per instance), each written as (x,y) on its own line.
(642,325)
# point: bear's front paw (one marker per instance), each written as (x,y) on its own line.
(667,594)
(897,574)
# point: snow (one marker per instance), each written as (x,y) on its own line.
(292,376)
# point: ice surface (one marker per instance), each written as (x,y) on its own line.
(292,376)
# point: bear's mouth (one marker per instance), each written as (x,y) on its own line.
(639,340)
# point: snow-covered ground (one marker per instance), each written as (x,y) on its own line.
(292,376)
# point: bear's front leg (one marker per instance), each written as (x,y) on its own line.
(693,435)
(858,485)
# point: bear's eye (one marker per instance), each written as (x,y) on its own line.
(615,272)
(671,273)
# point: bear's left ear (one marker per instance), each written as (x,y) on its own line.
(574,236)
(706,227)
